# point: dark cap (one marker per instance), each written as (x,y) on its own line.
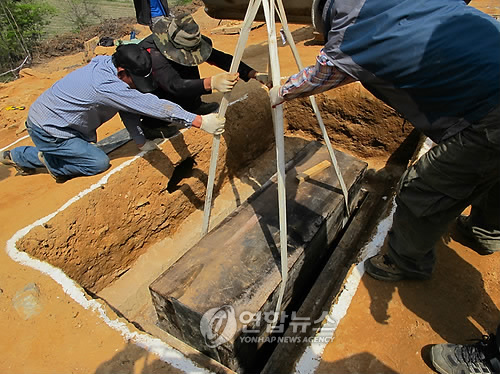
(137,62)
(180,40)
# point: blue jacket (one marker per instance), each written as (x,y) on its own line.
(437,62)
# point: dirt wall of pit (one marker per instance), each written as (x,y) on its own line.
(99,237)
(356,121)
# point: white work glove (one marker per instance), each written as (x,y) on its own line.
(149,146)
(274,95)
(223,82)
(212,124)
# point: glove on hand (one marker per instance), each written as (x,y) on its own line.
(223,82)
(212,124)
(274,95)
(149,146)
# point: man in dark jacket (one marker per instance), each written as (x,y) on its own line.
(437,63)
(177,48)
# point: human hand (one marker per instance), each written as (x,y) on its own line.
(149,146)
(212,123)
(223,82)
(276,98)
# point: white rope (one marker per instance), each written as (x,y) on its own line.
(277,112)
(253,6)
(19,36)
(12,21)
(291,42)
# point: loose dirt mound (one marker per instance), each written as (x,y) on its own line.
(71,42)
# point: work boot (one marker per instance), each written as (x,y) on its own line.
(206,108)
(6,159)
(381,267)
(463,234)
(58,178)
(482,357)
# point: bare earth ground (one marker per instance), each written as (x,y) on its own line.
(387,326)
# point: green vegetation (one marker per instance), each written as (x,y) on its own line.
(22,24)
(73,15)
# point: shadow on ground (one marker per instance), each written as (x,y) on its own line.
(359,363)
(136,360)
(453,298)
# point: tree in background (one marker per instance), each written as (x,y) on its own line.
(22,24)
(82,13)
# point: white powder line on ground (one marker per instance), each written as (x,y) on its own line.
(11,144)
(154,345)
(311,358)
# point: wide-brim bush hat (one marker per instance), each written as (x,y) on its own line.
(179,39)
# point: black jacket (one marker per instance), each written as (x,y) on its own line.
(182,84)
(143,11)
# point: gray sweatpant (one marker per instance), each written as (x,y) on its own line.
(460,171)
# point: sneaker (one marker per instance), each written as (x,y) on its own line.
(58,178)
(478,358)
(464,235)
(6,159)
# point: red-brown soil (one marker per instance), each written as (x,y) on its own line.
(100,236)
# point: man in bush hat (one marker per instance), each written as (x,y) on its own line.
(62,122)
(177,48)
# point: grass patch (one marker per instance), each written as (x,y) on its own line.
(106,9)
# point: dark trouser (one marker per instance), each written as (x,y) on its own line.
(154,128)
(460,171)
(495,361)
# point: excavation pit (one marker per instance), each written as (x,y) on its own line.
(236,266)
(146,208)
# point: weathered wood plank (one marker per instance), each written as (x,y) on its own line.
(237,265)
